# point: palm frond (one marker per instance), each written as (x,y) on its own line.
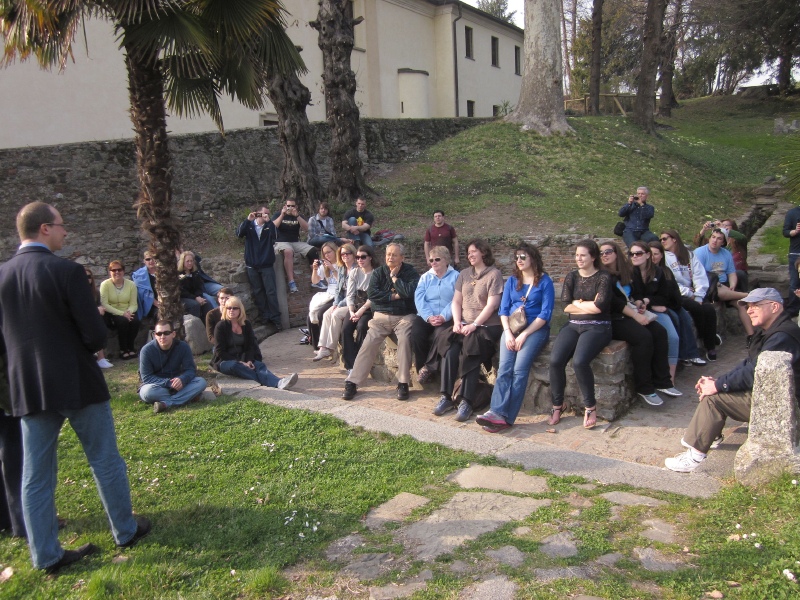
(189,97)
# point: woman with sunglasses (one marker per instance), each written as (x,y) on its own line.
(102,361)
(359,306)
(118,297)
(237,353)
(648,341)
(693,285)
(325,273)
(587,294)
(433,299)
(476,329)
(531,289)
(688,352)
(195,301)
(333,319)
(651,291)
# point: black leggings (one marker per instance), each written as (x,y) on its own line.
(581,343)
(126,330)
(705,319)
(648,346)
(353,335)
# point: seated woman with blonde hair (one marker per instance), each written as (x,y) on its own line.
(237,353)
(194,299)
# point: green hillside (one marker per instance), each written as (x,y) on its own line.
(496,179)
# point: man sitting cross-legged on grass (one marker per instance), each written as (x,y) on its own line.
(168,372)
(730,394)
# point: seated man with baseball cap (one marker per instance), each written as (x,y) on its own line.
(730,395)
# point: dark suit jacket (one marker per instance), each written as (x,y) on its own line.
(224,350)
(52,329)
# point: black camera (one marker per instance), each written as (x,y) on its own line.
(636,198)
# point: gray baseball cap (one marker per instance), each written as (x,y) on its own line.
(760,294)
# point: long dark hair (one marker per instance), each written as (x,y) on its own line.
(650,268)
(594,251)
(536,263)
(622,268)
(680,251)
(668,274)
(485,250)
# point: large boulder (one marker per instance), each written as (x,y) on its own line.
(196,335)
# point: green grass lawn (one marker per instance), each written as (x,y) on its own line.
(239,490)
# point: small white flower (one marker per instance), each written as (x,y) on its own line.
(233,572)
(757,545)
(744,536)
(738,526)
(301,535)
(794,481)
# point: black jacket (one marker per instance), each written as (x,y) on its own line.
(225,350)
(658,290)
(783,336)
(381,286)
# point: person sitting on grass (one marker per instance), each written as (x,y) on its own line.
(237,353)
(168,371)
(730,395)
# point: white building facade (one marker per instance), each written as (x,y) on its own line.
(412,59)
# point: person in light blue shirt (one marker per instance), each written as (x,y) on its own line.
(532,288)
(433,298)
(719,260)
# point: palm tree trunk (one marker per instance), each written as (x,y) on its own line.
(154,170)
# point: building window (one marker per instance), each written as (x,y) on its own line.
(495,110)
(268,119)
(470,108)
(517,60)
(495,52)
(468,41)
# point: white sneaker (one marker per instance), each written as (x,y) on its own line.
(321,353)
(714,445)
(682,463)
(287,382)
(698,362)
(652,399)
(670,391)
(104,364)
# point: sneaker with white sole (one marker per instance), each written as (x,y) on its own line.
(464,411)
(445,405)
(321,353)
(104,364)
(287,382)
(697,362)
(682,463)
(719,340)
(714,445)
(652,399)
(671,391)
(320,285)
(293,287)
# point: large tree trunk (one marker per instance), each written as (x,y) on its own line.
(565,51)
(644,106)
(541,99)
(299,178)
(154,169)
(668,55)
(785,61)
(336,40)
(597,51)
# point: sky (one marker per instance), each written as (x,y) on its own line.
(513,5)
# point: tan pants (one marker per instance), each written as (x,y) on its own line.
(331,328)
(380,327)
(710,416)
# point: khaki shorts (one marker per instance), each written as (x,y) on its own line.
(300,248)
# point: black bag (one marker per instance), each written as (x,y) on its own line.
(619,228)
(361,298)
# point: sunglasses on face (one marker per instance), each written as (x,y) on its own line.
(362,256)
(149,259)
(433,260)
(346,253)
(521,257)
(230,308)
(161,333)
(664,239)
(117,270)
(607,252)
(637,254)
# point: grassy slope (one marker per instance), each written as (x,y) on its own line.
(716,151)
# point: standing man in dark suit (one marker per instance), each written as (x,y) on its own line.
(52,330)
(260,235)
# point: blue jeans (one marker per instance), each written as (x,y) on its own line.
(629,236)
(94,426)
(512,374)
(688,341)
(265,293)
(318,240)
(151,393)
(793,303)
(210,288)
(672,336)
(581,343)
(365,237)
(261,373)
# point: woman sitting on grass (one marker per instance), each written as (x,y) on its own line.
(529,287)
(237,353)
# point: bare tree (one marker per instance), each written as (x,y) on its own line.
(597,51)
(336,39)
(541,99)
(299,177)
(644,106)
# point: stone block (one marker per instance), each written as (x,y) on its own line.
(196,335)
(772,443)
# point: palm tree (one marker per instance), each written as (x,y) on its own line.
(181,53)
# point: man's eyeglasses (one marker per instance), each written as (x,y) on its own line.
(637,254)
(607,252)
(521,257)
(117,270)
(664,239)
(433,260)
(161,333)
(149,259)
(64,225)
(362,256)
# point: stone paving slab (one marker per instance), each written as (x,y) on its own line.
(498,478)
(659,531)
(465,517)
(402,590)
(559,545)
(657,562)
(508,555)
(555,573)
(396,509)
(628,499)
(497,588)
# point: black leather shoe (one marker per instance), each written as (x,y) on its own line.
(402,391)
(350,390)
(71,556)
(143,527)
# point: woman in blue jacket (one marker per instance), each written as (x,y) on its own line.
(532,288)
